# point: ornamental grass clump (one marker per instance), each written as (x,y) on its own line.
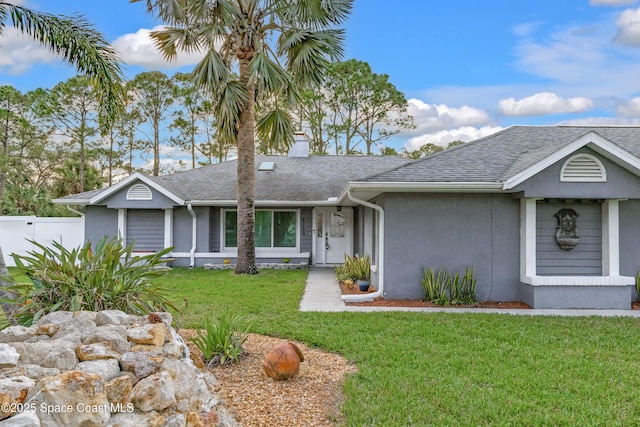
(107,277)
(221,341)
(444,288)
(354,268)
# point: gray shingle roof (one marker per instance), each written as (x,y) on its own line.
(502,155)
(313,178)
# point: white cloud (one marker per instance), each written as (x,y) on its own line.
(138,49)
(444,137)
(19,52)
(630,108)
(543,103)
(581,59)
(611,2)
(431,117)
(601,121)
(628,28)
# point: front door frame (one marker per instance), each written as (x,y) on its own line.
(319,251)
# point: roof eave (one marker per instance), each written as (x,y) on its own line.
(71,202)
(375,188)
(267,203)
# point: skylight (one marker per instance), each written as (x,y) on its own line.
(267,166)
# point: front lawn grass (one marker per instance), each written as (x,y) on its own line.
(444,369)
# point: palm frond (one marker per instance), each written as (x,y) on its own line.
(314,14)
(211,71)
(309,53)
(267,74)
(81,45)
(276,129)
(233,97)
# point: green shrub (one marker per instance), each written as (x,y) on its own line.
(444,289)
(108,277)
(354,268)
(221,342)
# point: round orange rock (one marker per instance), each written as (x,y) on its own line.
(283,361)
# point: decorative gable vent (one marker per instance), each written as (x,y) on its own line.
(139,192)
(583,168)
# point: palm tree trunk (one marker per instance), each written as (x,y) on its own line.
(246,262)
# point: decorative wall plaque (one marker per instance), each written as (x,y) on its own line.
(567,236)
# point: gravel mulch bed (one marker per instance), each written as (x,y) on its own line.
(311,398)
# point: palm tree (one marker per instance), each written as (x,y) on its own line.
(79,44)
(253,50)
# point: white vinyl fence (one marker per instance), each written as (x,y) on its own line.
(16,231)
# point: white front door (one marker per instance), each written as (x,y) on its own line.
(333,234)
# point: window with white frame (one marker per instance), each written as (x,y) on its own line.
(273,228)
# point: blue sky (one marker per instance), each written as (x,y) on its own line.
(467,67)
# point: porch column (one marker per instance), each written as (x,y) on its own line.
(122,225)
(527,238)
(611,238)
(168,227)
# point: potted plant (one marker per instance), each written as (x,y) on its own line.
(362,272)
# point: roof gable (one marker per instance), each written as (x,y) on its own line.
(547,156)
(137,176)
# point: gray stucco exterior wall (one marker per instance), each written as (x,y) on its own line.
(99,221)
(182,229)
(630,237)
(452,231)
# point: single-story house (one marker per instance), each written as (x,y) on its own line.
(545,215)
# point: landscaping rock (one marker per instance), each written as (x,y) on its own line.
(115,335)
(107,369)
(152,334)
(154,393)
(96,351)
(72,398)
(17,333)
(57,317)
(22,419)
(16,387)
(8,356)
(141,364)
(118,389)
(113,317)
(81,369)
(136,419)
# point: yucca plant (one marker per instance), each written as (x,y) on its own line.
(354,268)
(107,277)
(222,339)
(468,282)
(436,286)
(444,288)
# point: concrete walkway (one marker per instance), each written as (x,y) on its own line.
(322,293)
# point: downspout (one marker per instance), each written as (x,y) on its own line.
(380,291)
(194,236)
